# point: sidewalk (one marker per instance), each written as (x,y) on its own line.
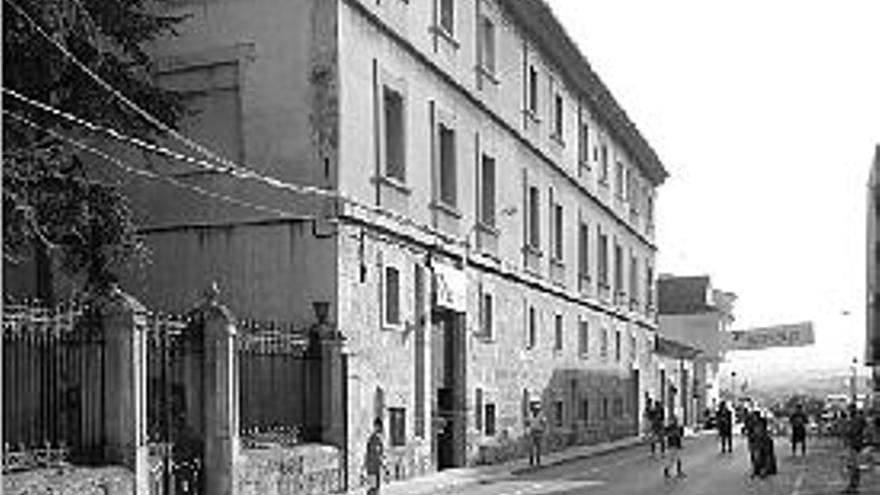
(460,477)
(821,471)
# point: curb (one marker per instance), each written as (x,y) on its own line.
(580,457)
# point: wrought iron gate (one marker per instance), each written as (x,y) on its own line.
(175,405)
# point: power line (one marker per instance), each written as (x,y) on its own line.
(242,172)
(270,181)
(115,92)
(146,173)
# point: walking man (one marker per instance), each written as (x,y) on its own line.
(854,432)
(375,458)
(535,427)
(657,429)
(724,419)
(798,421)
(674,434)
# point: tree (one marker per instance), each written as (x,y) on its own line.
(54,208)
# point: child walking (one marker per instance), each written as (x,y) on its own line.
(674,434)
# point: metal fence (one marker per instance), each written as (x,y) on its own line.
(273,372)
(175,403)
(53,386)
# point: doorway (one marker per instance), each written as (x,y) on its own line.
(449,387)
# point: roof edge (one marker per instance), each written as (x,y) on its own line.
(543,29)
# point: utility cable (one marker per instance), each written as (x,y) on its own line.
(146,173)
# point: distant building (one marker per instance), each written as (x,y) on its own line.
(676,366)
(872,330)
(692,313)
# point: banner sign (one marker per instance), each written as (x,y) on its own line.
(450,286)
(790,335)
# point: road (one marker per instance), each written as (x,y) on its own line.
(633,471)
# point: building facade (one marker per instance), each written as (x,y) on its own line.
(872,282)
(695,314)
(456,182)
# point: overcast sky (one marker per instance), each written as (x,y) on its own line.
(766,114)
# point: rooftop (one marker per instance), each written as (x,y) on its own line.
(684,295)
(542,26)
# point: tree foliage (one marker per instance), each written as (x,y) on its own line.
(51,201)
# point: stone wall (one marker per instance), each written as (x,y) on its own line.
(110,480)
(305,469)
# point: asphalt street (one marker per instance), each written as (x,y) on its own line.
(633,471)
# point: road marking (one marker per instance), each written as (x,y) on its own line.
(797,484)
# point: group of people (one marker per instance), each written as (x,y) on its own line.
(758,438)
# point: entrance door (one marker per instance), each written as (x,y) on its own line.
(448,378)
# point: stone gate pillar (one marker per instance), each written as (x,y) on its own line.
(221,397)
(125,384)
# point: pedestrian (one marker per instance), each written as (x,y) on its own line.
(674,434)
(375,458)
(764,455)
(798,421)
(535,426)
(658,429)
(854,437)
(724,421)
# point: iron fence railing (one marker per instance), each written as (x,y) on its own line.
(53,386)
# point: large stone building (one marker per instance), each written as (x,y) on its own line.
(872,311)
(696,315)
(485,237)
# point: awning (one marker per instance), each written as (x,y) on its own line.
(674,349)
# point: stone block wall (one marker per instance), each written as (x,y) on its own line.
(110,480)
(275,470)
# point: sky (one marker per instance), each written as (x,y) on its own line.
(766,114)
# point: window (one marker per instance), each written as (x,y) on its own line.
(558,117)
(649,286)
(533,328)
(585,410)
(584,145)
(557,342)
(394,134)
(487,191)
(617,350)
(604,407)
(558,413)
(649,207)
(603,350)
(392,296)
(419,348)
(633,280)
(490,420)
(533,90)
(618,407)
(632,348)
(487,46)
(583,255)
(447,15)
(534,217)
(397,426)
(603,260)
(603,162)
(447,165)
(618,185)
(618,268)
(632,189)
(487,316)
(583,337)
(558,232)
